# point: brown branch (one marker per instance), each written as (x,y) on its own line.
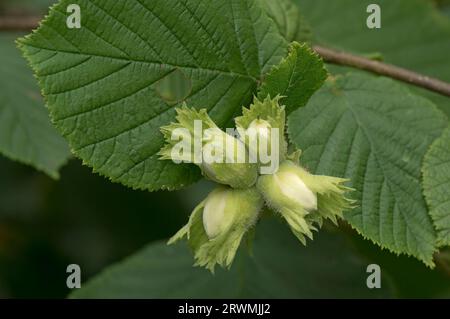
(329,55)
(385,69)
(443,261)
(19,23)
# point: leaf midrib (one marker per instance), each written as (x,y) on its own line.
(152,63)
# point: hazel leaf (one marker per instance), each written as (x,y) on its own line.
(375,133)
(436,184)
(296,78)
(102,81)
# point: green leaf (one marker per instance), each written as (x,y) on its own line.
(296,78)
(26,134)
(101,81)
(279,268)
(291,24)
(413,34)
(376,133)
(436,184)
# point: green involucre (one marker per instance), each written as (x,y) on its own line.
(217,225)
(304,199)
(240,211)
(196,142)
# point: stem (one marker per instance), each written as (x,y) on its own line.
(443,261)
(19,23)
(329,55)
(385,69)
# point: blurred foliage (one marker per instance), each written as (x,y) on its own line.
(26,132)
(277,268)
(411,278)
(83,219)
